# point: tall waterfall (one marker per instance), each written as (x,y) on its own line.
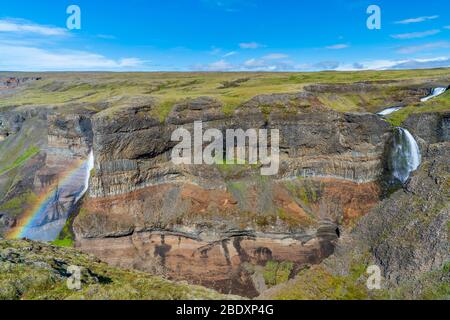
(436,92)
(88,166)
(405,155)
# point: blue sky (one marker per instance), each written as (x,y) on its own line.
(223,35)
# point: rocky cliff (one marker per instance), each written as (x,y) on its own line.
(211,224)
(44,156)
(405,235)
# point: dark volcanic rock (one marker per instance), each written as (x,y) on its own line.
(430,127)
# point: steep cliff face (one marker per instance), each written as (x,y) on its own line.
(46,177)
(64,175)
(132,146)
(209,223)
(21,157)
(430,128)
(405,235)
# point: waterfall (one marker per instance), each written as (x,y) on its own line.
(88,166)
(388,111)
(47,217)
(436,92)
(405,155)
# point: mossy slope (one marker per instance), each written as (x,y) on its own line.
(31,270)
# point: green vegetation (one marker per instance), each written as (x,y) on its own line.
(277,272)
(66,242)
(238,186)
(317,283)
(66,237)
(231,89)
(27,154)
(264,221)
(438,104)
(434,285)
(16,205)
(36,271)
(233,170)
(292,221)
(305,190)
(163,110)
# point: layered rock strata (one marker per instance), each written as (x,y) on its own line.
(146,212)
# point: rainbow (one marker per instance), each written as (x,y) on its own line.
(39,207)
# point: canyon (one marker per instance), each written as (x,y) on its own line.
(221,226)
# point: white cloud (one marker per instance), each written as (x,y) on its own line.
(338,46)
(24,58)
(229,54)
(276,66)
(27,46)
(396,64)
(417,20)
(250,45)
(22,26)
(423,47)
(415,35)
(248,65)
(255,63)
(439,62)
(275,56)
(221,65)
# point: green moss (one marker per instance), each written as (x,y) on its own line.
(66,237)
(342,103)
(277,272)
(91,88)
(66,242)
(229,108)
(397,118)
(238,186)
(319,284)
(263,221)
(163,110)
(439,104)
(233,170)
(44,277)
(17,205)
(307,191)
(27,154)
(292,221)
(433,285)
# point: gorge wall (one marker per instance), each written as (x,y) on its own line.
(405,235)
(219,225)
(54,147)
